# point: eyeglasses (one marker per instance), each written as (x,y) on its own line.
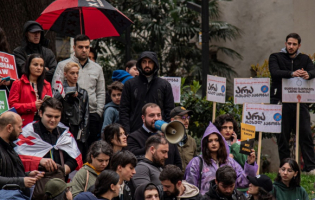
(184,117)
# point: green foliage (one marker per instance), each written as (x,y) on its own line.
(307,181)
(170,29)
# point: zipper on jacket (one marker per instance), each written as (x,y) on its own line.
(292,66)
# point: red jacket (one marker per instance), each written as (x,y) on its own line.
(22,97)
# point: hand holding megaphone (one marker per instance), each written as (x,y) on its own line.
(174,131)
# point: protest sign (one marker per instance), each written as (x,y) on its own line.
(175,83)
(7,66)
(266,118)
(216,89)
(247,138)
(251,90)
(298,90)
(4,106)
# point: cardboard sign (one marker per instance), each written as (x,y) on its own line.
(297,89)
(247,138)
(266,118)
(251,90)
(216,89)
(175,83)
(7,66)
(4,106)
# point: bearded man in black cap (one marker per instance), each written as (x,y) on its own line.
(34,42)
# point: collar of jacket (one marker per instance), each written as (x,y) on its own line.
(24,79)
(6,145)
(150,162)
(79,90)
(75,59)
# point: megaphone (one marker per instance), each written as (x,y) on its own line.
(174,131)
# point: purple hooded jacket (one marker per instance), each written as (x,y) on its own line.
(208,171)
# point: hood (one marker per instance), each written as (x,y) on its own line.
(139,193)
(284,50)
(282,186)
(85,196)
(212,129)
(111,104)
(43,41)
(190,191)
(152,56)
(119,75)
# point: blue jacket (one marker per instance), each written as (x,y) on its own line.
(111,114)
(121,75)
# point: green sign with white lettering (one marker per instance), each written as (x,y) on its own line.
(3,101)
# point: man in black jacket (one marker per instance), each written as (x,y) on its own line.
(145,88)
(223,186)
(34,42)
(151,112)
(174,187)
(11,167)
(287,64)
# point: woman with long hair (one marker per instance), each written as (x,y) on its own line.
(260,188)
(287,183)
(214,155)
(27,93)
(98,158)
(107,185)
(115,135)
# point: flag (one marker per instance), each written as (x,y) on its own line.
(31,148)
(59,87)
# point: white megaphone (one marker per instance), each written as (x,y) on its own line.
(174,131)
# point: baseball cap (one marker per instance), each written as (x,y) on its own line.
(56,186)
(179,110)
(34,28)
(261,181)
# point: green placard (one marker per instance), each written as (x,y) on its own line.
(3,101)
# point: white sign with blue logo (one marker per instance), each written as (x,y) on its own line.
(251,90)
(216,89)
(266,118)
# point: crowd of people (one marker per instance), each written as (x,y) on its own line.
(70,139)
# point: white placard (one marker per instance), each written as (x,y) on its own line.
(251,90)
(216,89)
(175,83)
(266,118)
(298,90)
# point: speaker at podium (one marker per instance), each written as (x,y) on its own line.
(174,131)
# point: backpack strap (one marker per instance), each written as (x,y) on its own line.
(87,180)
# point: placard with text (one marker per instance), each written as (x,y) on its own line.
(175,83)
(266,118)
(7,66)
(251,90)
(216,89)
(4,106)
(297,89)
(247,138)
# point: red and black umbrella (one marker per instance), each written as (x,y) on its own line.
(94,18)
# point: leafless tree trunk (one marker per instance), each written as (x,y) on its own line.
(14,13)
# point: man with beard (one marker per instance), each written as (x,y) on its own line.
(289,63)
(11,167)
(223,186)
(91,79)
(187,147)
(149,169)
(151,112)
(145,88)
(175,187)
